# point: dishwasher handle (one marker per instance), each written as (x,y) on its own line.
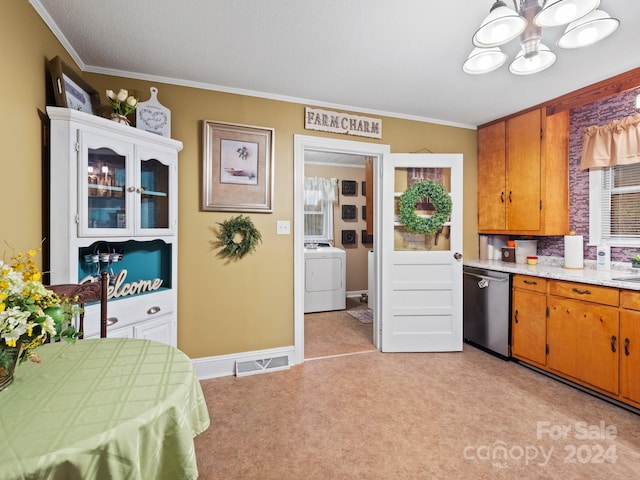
(486,277)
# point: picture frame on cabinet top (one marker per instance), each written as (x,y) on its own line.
(70,90)
(237,167)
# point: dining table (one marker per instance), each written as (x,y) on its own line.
(108,408)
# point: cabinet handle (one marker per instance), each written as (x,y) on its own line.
(502,197)
(510,196)
(613,343)
(530,282)
(581,292)
(153,310)
(626,347)
(131,189)
(112,321)
(515,318)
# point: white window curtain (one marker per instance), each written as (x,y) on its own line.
(320,194)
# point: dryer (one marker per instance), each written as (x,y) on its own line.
(324,279)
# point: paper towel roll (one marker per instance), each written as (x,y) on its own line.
(573,251)
(484,242)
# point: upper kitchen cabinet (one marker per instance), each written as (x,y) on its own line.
(523,164)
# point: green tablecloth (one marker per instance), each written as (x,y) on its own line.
(102,409)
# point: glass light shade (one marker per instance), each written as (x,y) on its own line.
(499,27)
(561,12)
(523,65)
(484,60)
(588,30)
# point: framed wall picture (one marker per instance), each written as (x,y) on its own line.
(348,237)
(70,90)
(349,212)
(237,168)
(349,187)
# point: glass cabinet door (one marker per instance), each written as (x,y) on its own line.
(104,172)
(156,173)
(154,194)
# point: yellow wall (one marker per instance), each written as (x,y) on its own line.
(222,307)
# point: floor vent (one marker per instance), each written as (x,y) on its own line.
(252,367)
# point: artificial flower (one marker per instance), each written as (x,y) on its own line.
(24,300)
(122,103)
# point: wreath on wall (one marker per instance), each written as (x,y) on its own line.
(237,237)
(440,199)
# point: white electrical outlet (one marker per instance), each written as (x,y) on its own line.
(283,227)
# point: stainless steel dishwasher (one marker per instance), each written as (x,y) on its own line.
(487,309)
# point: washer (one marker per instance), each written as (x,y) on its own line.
(324,279)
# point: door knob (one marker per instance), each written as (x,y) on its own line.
(457,256)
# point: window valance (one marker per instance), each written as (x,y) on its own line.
(317,189)
(616,143)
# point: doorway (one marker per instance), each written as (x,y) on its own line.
(303,144)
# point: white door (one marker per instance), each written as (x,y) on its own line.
(421,274)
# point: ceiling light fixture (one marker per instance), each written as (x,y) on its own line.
(586,26)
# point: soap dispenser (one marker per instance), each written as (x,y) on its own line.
(603,256)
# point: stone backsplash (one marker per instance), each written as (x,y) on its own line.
(596,113)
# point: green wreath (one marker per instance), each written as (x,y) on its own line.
(440,199)
(233,228)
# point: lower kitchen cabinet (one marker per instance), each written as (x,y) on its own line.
(583,342)
(630,346)
(588,334)
(583,333)
(529,319)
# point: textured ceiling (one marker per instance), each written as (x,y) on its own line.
(399,58)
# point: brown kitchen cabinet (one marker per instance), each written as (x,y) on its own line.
(523,164)
(630,346)
(583,334)
(529,319)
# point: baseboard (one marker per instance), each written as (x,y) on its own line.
(225,365)
(356,293)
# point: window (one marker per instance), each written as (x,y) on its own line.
(318,222)
(320,194)
(614,205)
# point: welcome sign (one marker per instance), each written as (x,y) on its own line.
(337,122)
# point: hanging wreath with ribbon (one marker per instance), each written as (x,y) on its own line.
(440,199)
(237,237)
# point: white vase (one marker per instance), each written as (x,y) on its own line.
(116,117)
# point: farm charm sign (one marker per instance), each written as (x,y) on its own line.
(338,122)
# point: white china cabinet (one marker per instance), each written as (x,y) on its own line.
(113,206)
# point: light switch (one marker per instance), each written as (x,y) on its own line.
(283,227)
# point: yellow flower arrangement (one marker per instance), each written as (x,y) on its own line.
(24,303)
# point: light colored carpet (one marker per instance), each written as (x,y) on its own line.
(336,333)
(404,416)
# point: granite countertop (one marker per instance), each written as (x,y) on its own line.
(552,267)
